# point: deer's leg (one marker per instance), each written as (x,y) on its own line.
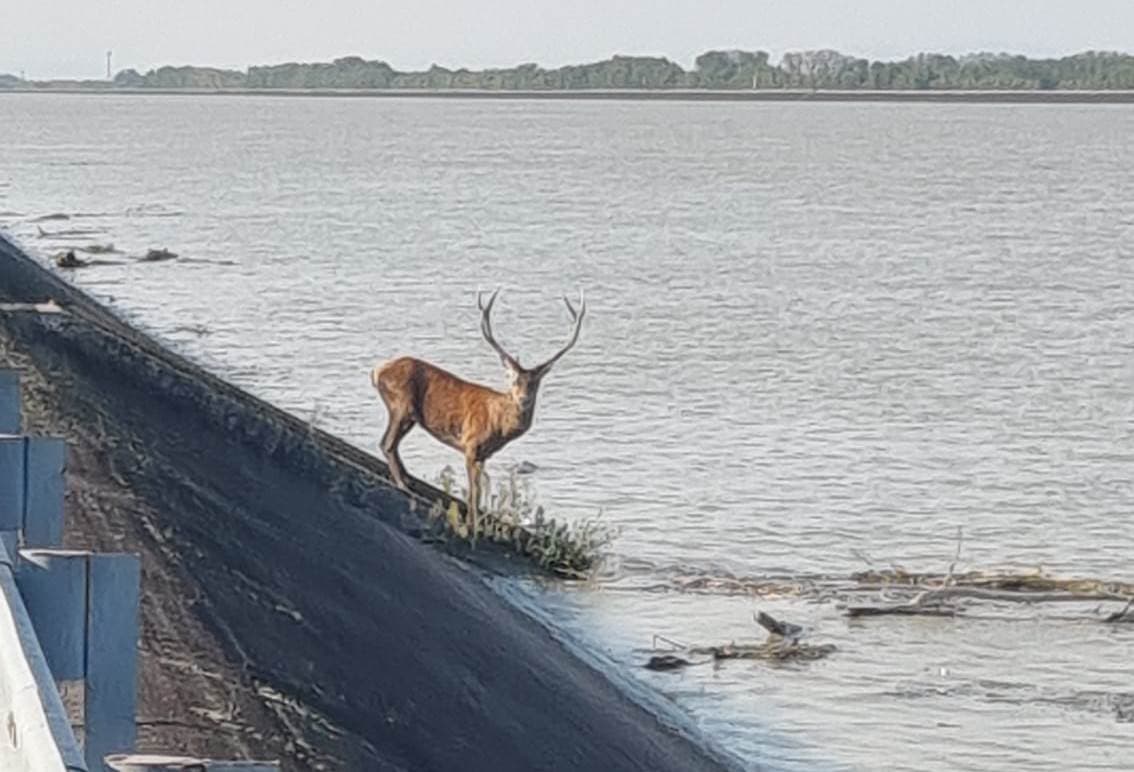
(397,428)
(473,466)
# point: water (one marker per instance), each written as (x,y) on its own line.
(818,334)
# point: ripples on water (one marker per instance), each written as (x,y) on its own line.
(815,329)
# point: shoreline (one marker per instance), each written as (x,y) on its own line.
(648,95)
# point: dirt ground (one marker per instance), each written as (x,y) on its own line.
(287,610)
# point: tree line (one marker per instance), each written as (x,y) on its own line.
(823,69)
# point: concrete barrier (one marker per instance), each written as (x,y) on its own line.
(84,607)
(12,457)
(35,734)
(9,402)
(65,615)
(76,612)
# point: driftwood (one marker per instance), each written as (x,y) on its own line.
(69,261)
(667,662)
(98,249)
(1033,582)
(934,594)
(778,650)
(937,594)
(896,591)
(157,255)
(1126,616)
(900,609)
(934,601)
(782,645)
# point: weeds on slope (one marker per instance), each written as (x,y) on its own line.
(510,516)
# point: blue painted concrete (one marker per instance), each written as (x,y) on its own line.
(53,584)
(9,402)
(44,462)
(58,723)
(112,655)
(12,455)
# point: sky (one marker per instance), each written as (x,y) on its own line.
(70,38)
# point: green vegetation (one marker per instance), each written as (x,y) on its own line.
(713,70)
(511,518)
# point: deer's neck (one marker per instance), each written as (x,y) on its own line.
(518,413)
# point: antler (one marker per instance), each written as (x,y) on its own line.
(577,320)
(486,329)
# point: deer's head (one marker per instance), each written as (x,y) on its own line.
(524,381)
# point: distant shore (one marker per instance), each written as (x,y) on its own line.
(1036,96)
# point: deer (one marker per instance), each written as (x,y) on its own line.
(473,419)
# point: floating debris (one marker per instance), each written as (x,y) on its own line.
(98,249)
(1031,581)
(157,255)
(782,645)
(771,650)
(662,662)
(901,609)
(68,260)
(195,329)
(206,261)
(1126,616)
(152,210)
(66,233)
(927,594)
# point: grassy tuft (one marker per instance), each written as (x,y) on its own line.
(511,517)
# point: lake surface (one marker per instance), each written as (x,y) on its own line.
(819,335)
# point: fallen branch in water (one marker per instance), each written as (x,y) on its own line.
(668,662)
(901,609)
(782,645)
(1125,616)
(157,256)
(1033,582)
(771,650)
(1014,596)
(931,593)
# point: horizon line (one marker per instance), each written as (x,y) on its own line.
(692,67)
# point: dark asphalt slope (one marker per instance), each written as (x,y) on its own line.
(295,552)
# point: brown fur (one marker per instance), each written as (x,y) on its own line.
(468,417)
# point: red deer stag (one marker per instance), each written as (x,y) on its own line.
(471,418)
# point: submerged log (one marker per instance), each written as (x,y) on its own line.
(69,260)
(901,609)
(1032,582)
(778,650)
(782,645)
(157,255)
(935,591)
(1126,616)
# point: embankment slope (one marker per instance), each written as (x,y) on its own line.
(287,612)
